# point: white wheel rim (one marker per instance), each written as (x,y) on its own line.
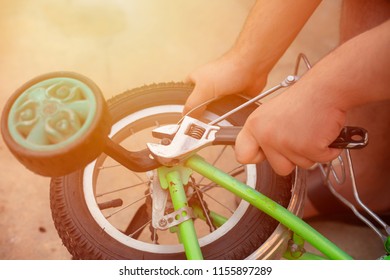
(88,188)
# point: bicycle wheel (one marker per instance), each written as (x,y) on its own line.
(55,123)
(104,210)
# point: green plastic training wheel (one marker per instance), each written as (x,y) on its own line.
(51,114)
(56,123)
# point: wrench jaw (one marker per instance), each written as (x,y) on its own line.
(166,132)
(191,136)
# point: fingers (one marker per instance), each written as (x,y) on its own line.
(196,98)
(247,149)
(283,162)
(329,155)
(280,164)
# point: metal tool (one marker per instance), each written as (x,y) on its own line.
(181,141)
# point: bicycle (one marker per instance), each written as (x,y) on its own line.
(59,125)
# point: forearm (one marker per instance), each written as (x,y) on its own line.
(354,74)
(269,30)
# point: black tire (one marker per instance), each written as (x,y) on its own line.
(81,147)
(78,225)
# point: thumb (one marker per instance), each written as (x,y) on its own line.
(247,149)
(197,97)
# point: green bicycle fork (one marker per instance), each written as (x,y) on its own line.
(268,206)
(187,234)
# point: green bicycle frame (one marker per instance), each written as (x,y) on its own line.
(258,200)
(186,229)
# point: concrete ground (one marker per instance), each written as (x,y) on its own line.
(121,45)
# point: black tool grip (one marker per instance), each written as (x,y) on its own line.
(351,137)
(227,135)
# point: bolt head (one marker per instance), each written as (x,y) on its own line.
(165,141)
(163,222)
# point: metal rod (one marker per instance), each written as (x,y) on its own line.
(356,193)
(351,206)
(253,100)
(300,57)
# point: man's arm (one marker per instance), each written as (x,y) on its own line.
(296,127)
(270,28)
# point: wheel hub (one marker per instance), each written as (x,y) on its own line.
(49,108)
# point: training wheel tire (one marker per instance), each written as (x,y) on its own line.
(56,123)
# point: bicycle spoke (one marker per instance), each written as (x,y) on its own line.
(234,172)
(121,189)
(237,171)
(127,206)
(140,216)
(205,210)
(109,166)
(221,204)
(140,229)
(139,177)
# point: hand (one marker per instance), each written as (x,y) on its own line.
(293,129)
(225,76)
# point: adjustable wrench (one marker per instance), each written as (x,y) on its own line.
(181,141)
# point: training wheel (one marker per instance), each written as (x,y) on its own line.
(56,123)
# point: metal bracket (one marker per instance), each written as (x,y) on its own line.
(370,214)
(159,201)
(175,218)
(160,220)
